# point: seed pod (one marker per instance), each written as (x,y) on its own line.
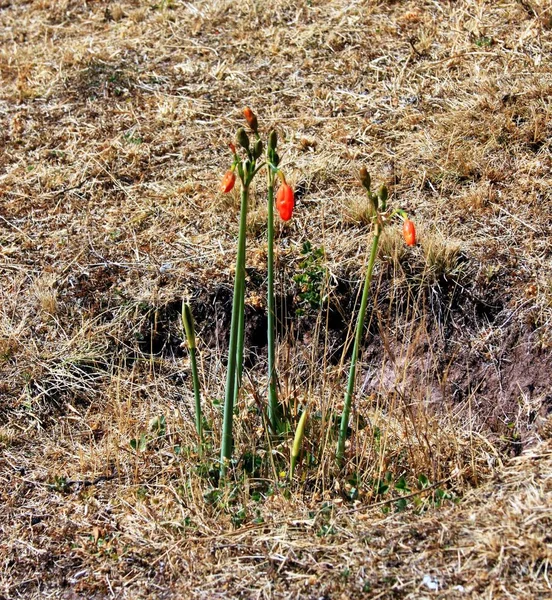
(285,201)
(228,181)
(257,149)
(365,178)
(251,119)
(273,140)
(409,232)
(242,138)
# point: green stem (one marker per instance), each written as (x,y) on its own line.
(189,329)
(237,302)
(241,339)
(273,408)
(198,415)
(354,358)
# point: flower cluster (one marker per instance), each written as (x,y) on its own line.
(285,200)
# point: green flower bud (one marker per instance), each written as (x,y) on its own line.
(258,149)
(374,201)
(188,323)
(242,138)
(383,196)
(273,140)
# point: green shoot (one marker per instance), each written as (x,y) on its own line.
(188,324)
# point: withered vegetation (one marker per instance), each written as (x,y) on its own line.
(114,125)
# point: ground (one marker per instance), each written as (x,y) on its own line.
(115,120)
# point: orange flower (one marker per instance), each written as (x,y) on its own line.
(409,232)
(250,118)
(228,182)
(285,201)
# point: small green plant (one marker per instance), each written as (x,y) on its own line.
(310,278)
(326,530)
(484,41)
(157,429)
(139,444)
(61,484)
(158,426)
(133,139)
(239,516)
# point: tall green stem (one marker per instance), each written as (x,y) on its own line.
(273,408)
(198,415)
(358,337)
(241,335)
(237,303)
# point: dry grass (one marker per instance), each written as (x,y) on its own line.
(114,124)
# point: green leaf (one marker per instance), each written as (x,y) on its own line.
(423,481)
(401,485)
(401,504)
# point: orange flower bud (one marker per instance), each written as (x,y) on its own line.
(228,182)
(285,201)
(250,118)
(409,232)
(232,148)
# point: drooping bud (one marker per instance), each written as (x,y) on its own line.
(409,232)
(251,119)
(365,178)
(228,182)
(257,149)
(285,201)
(242,138)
